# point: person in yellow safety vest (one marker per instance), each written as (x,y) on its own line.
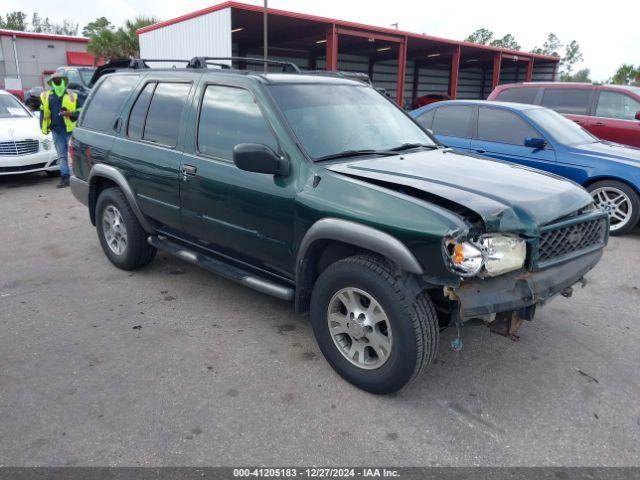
(60,110)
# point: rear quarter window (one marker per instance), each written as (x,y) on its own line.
(100,113)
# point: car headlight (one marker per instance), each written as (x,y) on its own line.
(46,144)
(491,255)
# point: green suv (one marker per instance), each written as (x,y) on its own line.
(319,190)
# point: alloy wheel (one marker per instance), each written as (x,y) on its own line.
(616,203)
(115,232)
(360,328)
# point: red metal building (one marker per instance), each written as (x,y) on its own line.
(406,64)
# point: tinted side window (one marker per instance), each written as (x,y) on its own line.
(165,110)
(617,105)
(567,100)
(452,121)
(518,95)
(139,112)
(230,116)
(504,127)
(426,119)
(73,76)
(106,102)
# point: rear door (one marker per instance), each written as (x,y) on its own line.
(614,118)
(148,151)
(573,103)
(452,125)
(501,134)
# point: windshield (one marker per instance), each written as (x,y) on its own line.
(86,74)
(330,119)
(11,107)
(560,128)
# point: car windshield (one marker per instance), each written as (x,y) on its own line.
(86,74)
(562,130)
(335,120)
(11,107)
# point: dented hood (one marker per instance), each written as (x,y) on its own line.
(506,196)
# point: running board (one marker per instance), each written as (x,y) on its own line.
(223,269)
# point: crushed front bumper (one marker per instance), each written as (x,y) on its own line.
(519,290)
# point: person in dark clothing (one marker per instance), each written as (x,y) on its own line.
(60,109)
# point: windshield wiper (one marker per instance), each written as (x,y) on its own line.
(409,146)
(355,153)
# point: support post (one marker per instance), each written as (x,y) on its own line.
(332,48)
(454,72)
(497,63)
(265,40)
(416,81)
(402,69)
(529,75)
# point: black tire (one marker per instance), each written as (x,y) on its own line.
(137,252)
(633,202)
(413,321)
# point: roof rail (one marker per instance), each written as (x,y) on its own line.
(361,76)
(202,62)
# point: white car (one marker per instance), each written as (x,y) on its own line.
(23,146)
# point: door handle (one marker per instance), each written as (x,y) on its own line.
(481,150)
(579,122)
(189,169)
(599,124)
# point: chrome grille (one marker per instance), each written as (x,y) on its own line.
(16,148)
(556,243)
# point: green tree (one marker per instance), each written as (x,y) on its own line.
(16,21)
(481,36)
(96,27)
(572,56)
(108,43)
(583,76)
(36,23)
(551,46)
(508,42)
(626,75)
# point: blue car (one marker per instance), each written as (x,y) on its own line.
(541,138)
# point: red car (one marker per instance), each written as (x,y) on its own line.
(610,112)
(430,98)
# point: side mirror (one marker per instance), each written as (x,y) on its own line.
(638,115)
(258,158)
(537,143)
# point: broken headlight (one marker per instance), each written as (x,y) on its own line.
(491,254)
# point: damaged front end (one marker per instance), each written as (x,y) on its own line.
(554,262)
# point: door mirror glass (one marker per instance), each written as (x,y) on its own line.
(258,158)
(638,115)
(533,142)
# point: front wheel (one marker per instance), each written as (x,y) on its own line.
(620,201)
(372,330)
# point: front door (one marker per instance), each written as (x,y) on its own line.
(243,215)
(501,134)
(615,118)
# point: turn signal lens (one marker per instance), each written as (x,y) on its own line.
(467,259)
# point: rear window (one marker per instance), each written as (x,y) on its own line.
(567,100)
(518,95)
(452,121)
(165,110)
(100,113)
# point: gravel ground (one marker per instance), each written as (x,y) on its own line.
(171,365)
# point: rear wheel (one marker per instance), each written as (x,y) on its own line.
(620,201)
(372,330)
(122,238)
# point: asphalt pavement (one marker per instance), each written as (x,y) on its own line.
(172,365)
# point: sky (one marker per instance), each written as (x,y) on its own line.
(608,37)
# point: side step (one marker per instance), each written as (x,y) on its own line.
(223,269)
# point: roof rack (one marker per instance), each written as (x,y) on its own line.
(202,62)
